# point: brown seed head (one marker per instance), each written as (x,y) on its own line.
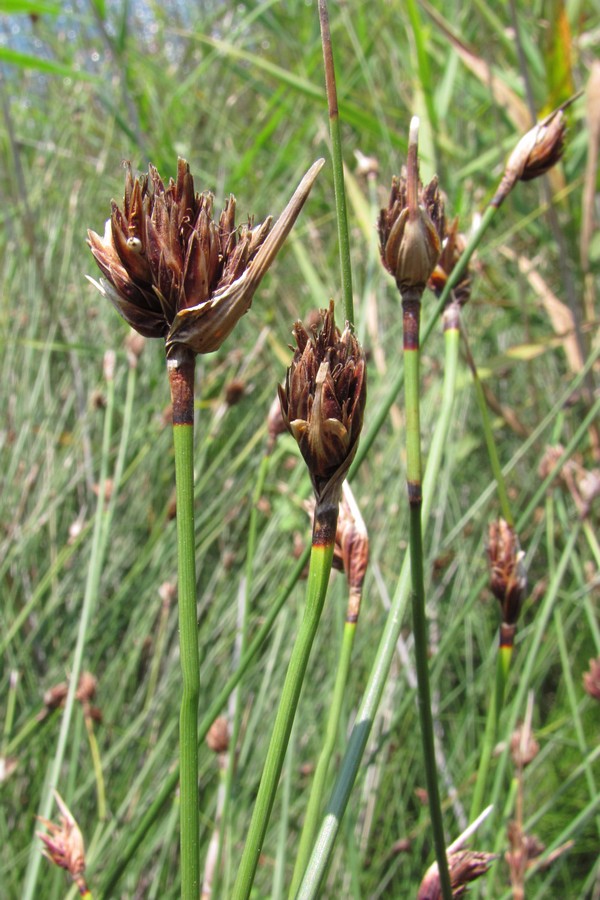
(508,578)
(173,271)
(63,844)
(410,227)
(536,152)
(464,866)
(323,401)
(523,746)
(591,679)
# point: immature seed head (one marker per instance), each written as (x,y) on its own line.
(323,400)
(464,866)
(411,225)
(174,271)
(536,152)
(63,843)
(508,578)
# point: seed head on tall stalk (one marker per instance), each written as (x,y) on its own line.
(410,232)
(174,272)
(322,403)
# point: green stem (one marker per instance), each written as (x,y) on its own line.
(89,600)
(181,378)
(338,165)
(491,729)
(489,437)
(315,799)
(237,716)
(411,317)
(365,716)
(320,566)
(170,782)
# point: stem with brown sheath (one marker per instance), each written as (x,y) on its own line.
(181,367)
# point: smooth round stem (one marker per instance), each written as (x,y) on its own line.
(181,379)
(411,315)
(315,800)
(338,165)
(318,579)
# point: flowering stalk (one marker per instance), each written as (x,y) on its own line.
(365,716)
(174,272)
(352,548)
(322,404)
(410,246)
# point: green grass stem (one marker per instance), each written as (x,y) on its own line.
(318,579)
(315,800)
(89,601)
(238,707)
(338,165)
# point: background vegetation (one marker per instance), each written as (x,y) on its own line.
(238,91)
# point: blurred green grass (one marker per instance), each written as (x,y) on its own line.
(238,91)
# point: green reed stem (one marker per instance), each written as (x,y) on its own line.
(491,730)
(181,377)
(338,164)
(89,599)
(411,320)
(489,437)
(315,800)
(318,578)
(237,715)
(323,848)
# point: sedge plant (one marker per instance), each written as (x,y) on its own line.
(322,403)
(410,231)
(173,272)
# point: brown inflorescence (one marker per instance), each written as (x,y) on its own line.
(323,400)
(173,271)
(63,844)
(411,226)
(508,578)
(464,866)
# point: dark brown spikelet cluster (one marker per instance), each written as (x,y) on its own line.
(464,866)
(173,271)
(536,153)
(411,226)
(508,578)
(323,401)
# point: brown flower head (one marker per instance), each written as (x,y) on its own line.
(63,844)
(453,246)
(217,737)
(536,152)
(508,578)
(464,866)
(411,225)
(323,401)
(172,271)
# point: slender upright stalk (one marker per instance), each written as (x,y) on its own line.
(324,844)
(315,800)
(320,566)
(29,890)
(411,321)
(338,164)
(181,367)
